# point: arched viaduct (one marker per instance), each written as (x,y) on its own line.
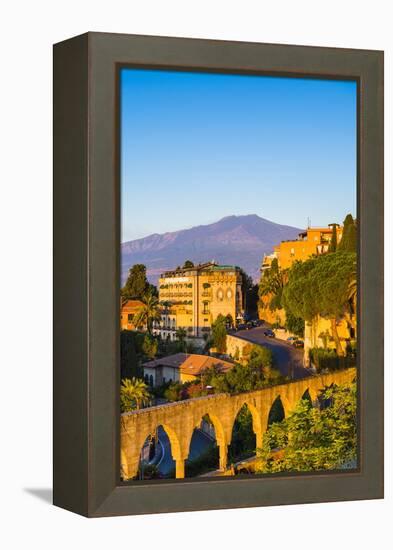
(179,419)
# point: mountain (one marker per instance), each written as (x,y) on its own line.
(238,240)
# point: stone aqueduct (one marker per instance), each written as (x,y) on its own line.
(180,418)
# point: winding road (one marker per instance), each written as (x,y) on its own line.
(288,360)
(200,443)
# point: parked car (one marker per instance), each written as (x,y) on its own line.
(292,338)
(269,333)
(241,326)
(249,325)
(298,344)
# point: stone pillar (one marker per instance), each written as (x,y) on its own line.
(132,467)
(258,439)
(180,468)
(223,450)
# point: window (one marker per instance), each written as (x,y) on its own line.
(130,317)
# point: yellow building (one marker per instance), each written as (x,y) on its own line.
(314,240)
(192,298)
(128,310)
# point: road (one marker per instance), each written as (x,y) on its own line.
(199,443)
(288,360)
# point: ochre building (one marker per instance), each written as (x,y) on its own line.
(192,298)
(128,310)
(314,240)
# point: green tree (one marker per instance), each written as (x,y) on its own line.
(333,241)
(314,438)
(134,394)
(188,264)
(148,313)
(137,284)
(174,392)
(254,375)
(219,334)
(348,241)
(249,293)
(319,286)
(130,361)
(295,325)
(272,284)
(150,346)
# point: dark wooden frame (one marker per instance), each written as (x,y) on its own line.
(86,273)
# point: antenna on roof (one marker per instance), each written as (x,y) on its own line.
(308,223)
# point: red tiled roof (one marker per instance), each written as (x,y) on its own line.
(195,364)
(132,305)
(190,363)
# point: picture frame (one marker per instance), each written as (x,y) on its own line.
(86,468)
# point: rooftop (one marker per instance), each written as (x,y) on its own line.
(208,266)
(174,360)
(132,304)
(190,363)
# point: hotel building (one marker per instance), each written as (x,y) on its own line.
(192,298)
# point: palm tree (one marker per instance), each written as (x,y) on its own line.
(133,394)
(148,313)
(272,284)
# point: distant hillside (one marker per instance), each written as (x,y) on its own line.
(239,240)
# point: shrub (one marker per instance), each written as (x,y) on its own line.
(328,359)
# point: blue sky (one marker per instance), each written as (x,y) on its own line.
(196,147)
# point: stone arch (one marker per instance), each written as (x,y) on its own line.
(278,404)
(257,426)
(221,438)
(251,431)
(313,394)
(173,439)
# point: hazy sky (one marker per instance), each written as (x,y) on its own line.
(196,147)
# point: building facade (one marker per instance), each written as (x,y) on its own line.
(181,367)
(314,240)
(192,298)
(128,311)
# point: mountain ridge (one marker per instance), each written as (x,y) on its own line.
(241,240)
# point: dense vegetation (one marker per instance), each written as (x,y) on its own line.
(134,394)
(319,286)
(313,438)
(137,285)
(257,373)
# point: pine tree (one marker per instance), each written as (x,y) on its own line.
(349,237)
